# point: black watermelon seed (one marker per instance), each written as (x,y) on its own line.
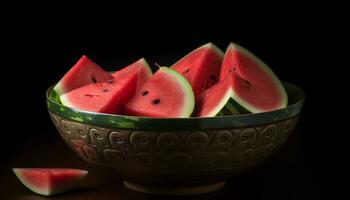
(111,81)
(247,83)
(94,80)
(156,101)
(144,93)
(186,71)
(212,77)
(105,90)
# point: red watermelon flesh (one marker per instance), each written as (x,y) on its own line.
(167,94)
(255,85)
(142,67)
(84,72)
(49,181)
(201,67)
(213,100)
(109,97)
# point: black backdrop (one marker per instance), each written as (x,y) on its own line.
(288,47)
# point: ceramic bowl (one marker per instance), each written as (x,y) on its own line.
(176,156)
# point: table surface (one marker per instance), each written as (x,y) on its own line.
(286,175)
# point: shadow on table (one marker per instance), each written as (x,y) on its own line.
(120,193)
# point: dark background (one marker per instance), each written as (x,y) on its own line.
(288,46)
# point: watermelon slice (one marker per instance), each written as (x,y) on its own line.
(201,67)
(218,100)
(84,72)
(167,94)
(246,84)
(111,96)
(49,181)
(141,67)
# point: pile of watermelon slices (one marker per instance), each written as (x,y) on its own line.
(204,83)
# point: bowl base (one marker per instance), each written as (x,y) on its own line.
(175,191)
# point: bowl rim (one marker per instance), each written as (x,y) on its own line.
(135,122)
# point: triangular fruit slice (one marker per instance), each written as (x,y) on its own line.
(111,96)
(249,82)
(255,85)
(167,94)
(84,72)
(217,101)
(49,181)
(143,69)
(201,67)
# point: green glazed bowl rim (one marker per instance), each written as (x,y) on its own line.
(296,97)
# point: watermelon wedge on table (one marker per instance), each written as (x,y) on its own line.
(84,72)
(111,96)
(49,181)
(246,84)
(201,67)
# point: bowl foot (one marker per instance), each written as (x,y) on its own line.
(175,191)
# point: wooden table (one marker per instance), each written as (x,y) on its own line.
(286,175)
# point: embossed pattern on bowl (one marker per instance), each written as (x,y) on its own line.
(187,155)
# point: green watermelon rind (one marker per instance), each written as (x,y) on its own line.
(187,88)
(296,100)
(41,191)
(55,96)
(232,108)
(268,70)
(58,89)
(227,106)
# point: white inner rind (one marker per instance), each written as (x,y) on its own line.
(58,89)
(189,99)
(65,100)
(268,71)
